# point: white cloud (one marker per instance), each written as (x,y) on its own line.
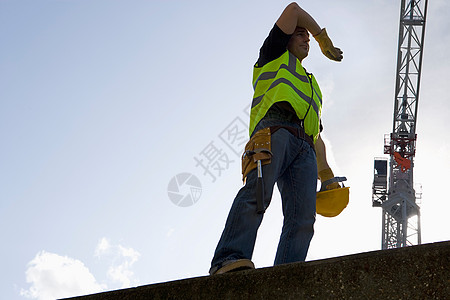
(103,247)
(54,276)
(327,85)
(121,261)
(331,160)
(170,232)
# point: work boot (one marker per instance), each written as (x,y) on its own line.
(232,266)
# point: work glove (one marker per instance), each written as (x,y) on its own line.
(326,45)
(326,174)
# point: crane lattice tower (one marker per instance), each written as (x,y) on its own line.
(395,193)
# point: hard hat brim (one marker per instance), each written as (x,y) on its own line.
(332,202)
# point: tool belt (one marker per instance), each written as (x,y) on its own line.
(297,132)
(259,147)
(283,113)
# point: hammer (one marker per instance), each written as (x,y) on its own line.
(258,155)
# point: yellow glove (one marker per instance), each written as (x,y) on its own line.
(327,47)
(326,174)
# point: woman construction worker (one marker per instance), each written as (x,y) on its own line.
(284,148)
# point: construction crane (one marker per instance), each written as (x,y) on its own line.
(394,192)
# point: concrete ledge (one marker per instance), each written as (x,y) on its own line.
(417,272)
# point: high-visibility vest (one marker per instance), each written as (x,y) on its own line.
(284,79)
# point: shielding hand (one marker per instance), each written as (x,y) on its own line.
(326,45)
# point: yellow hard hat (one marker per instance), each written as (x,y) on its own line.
(330,203)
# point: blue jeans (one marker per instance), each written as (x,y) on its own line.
(294,169)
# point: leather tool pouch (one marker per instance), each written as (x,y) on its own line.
(257,147)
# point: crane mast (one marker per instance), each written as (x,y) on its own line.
(394,192)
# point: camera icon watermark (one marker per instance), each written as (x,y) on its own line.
(184,189)
(214,160)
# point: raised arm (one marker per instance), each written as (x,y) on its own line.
(294,16)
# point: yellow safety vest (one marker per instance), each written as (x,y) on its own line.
(284,79)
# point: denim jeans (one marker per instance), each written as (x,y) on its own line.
(294,169)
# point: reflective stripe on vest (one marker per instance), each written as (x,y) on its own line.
(291,66)
(284,79)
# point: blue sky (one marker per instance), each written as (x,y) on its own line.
(103,103)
